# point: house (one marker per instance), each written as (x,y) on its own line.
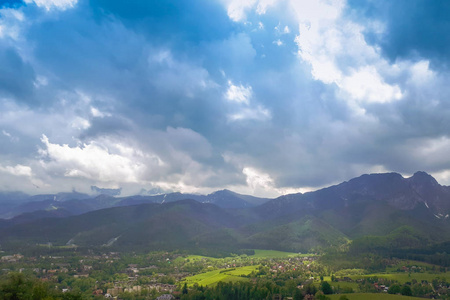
(348,279)
(134,289)
(114,291)
(9,258)
(97,292)
(165,297)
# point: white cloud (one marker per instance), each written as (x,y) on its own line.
(168,159)
(10,136)
(5,133)
(336,49)
(18,170)
(280,30)
(333,48)
(73,114)
(366,84)
(262,6)
(105,162)
(278,43)
(259,113)
(11,21)
(50,4)
(338,53)
(237,9)
(257,180)
(421,75)
(244,110)
(238,93)
(19,177)
(261,184)
(80,123)
(443,177)
(95,112)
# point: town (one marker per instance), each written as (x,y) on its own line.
(174,275)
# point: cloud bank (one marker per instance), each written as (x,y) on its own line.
(260,96)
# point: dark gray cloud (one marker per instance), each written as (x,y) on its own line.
(178,95)
(182,23)
(17,77)
(413,29)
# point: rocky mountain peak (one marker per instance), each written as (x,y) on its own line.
(424,185)
(421,178)
(433,195)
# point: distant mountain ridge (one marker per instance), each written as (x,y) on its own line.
(402,212)
(14,204)
(399,192)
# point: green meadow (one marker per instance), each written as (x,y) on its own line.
(406,277)
(258,254)
(226,275)
(275,254)
(343,284)
(194,258)
(410,263)
(368,296)
(232,274)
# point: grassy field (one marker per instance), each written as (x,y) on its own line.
(194,258)
(275,254)
(410,263)
(343,284)
(213,277)
(367,296)
(405,277)
(258,254)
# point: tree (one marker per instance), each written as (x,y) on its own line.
(298,295)
(394,289)
(420,290)
(17,287)
(326,288)
(40,291)
(406,290)
(71,296)
(290,286)
(310,289)
(320,296)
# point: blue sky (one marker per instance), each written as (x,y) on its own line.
(264,97)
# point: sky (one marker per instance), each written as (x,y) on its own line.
(263,97)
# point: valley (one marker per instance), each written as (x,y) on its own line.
(224,149)
(260,274)
(377,235)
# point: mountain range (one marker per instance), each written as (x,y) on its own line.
(395,212)
(15,204)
